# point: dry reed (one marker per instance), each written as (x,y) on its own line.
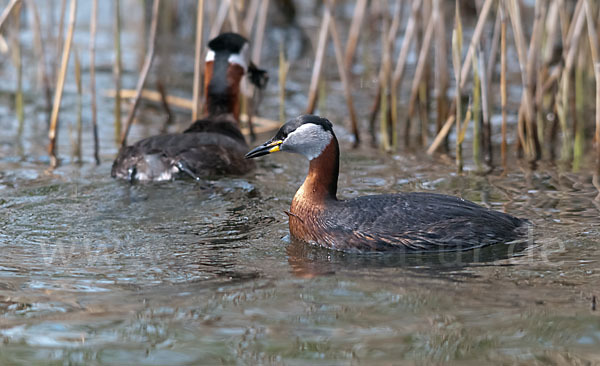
(485,111)
(385,98)
(260,31)
(503,96)
(94,107)
(250,16)
(383,86)
(440,57)
(18,64)
(59,38)
(457,41)
(145,71)
(60,83)
(233,17)
(79,103)
(466,67)
(117,69)
(554,98)
(41,56)
(219,19)
(595,53)
(284,67)
(339,58)
(6,12)
(421,63)
(318,64)
(165,105)
(477,111)
(353,34)
(569,55)
(198,60)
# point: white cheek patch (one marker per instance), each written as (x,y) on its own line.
(309,140)
(240,58)
(210,56)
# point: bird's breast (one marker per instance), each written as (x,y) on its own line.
(304,218)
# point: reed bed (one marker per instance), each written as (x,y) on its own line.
(474,52)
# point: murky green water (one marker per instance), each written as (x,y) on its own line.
(95,271)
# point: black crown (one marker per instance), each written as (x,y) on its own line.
(227,42)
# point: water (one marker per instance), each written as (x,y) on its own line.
(96,271)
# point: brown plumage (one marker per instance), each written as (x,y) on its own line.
(212,146)
(417,222)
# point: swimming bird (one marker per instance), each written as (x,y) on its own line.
(211,146)
(407,222)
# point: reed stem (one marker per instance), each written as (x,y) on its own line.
(421,63)
(318,64)
(441,64)
(251,16)
(77,149)
(18,63)
(477,112)
(406,43)
(525,63)
(595,52)
(117,69)
(466,65)
(233,17)
(284,66)
(93,29)
(219,20)
(485,110)
(456,56)
(198,60)
(59,38)
(597,134)
(41,56)
(503,96)
(256,56)
(145,71)
(569,54)
(165,104)
(339,58)
(60,84)
(6,12)
(260,31)
(579,143)
(355,26)
(383,85)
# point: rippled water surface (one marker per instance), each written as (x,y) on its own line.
(96,271)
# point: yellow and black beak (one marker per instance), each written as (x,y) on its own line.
(264,149)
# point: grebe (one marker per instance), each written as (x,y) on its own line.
(409,222)
(213,145)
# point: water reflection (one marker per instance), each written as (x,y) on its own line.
(309,261)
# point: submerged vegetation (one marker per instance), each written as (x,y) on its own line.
(443,70)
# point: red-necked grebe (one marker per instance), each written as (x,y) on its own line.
(213,145)
(418,222)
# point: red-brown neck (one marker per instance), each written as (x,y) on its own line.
(222,88)
(320,184)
